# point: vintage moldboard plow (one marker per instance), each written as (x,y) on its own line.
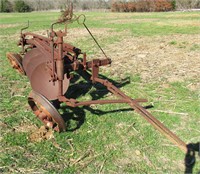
(48,63)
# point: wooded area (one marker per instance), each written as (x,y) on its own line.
(114,5)
(144,6)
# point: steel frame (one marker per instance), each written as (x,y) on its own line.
(55,48)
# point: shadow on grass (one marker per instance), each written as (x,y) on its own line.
(80,86)
(190,157)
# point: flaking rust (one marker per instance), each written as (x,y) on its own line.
(48,63)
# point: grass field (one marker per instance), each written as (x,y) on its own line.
(155,56)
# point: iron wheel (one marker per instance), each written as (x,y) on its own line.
(46,112)
(16,62)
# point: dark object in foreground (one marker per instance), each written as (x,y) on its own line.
(190,157)
(48,63)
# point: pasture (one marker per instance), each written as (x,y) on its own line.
(155,56)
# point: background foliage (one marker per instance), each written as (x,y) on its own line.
(144,6)
(124,5)
(16,6)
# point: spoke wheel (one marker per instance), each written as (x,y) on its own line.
(16,62)
(46,112)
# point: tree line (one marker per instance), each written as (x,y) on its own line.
(144,6)
(114,5)
(41,5)
(16,6)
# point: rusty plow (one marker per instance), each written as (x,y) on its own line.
(48,63)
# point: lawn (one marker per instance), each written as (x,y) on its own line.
(155,56)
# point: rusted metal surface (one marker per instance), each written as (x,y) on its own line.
(16,62)
(41,82)
(46,112)
(146,115)
(38,69)
(48,63)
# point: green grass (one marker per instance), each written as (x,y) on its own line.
(195,47)
(110,140)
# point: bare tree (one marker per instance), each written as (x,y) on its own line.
(185,4)
(39,5)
